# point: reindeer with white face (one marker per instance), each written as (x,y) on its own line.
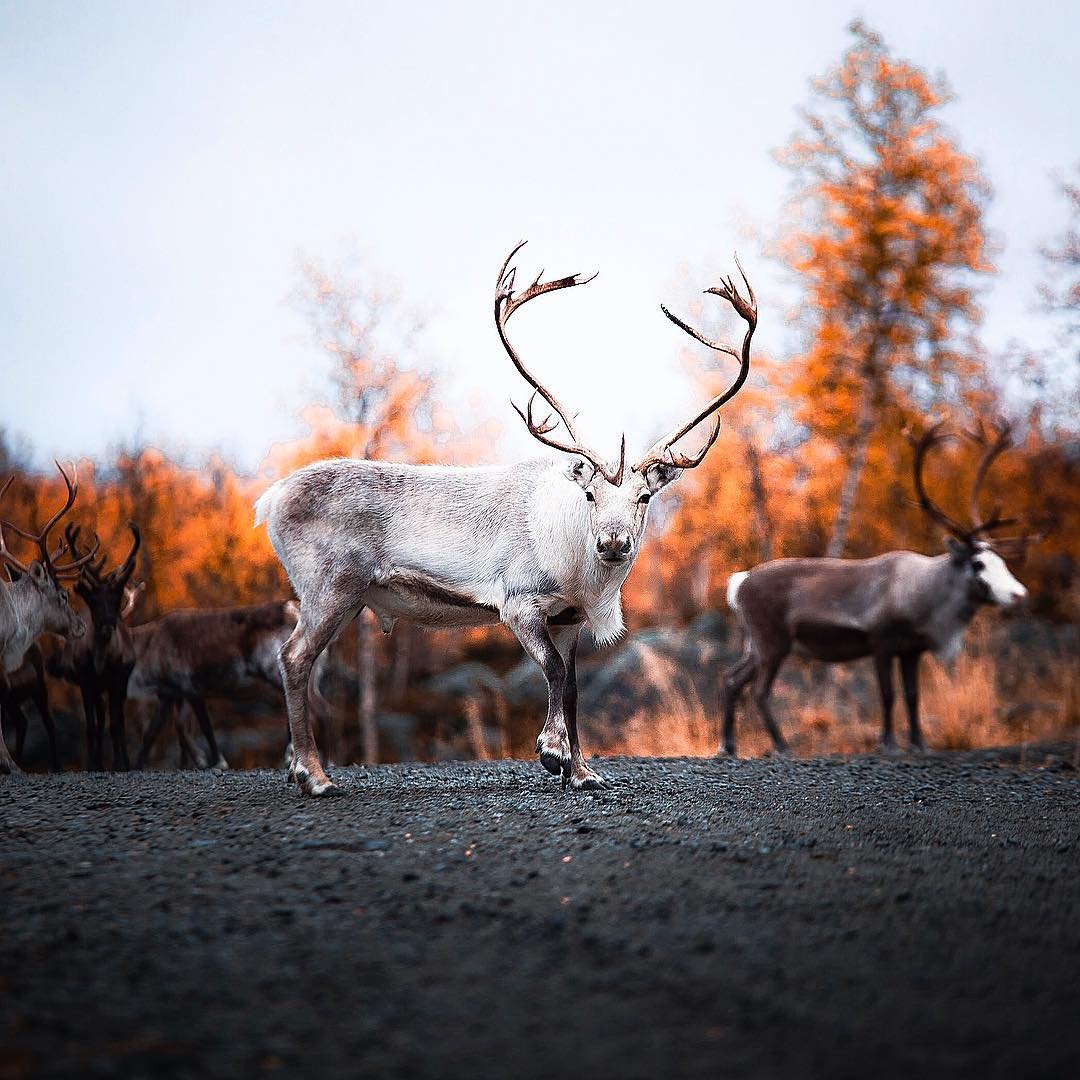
(897,605)
(543,546)
(35,602)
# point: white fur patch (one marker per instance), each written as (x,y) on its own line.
(1004,589)
(733,584)
(559,523)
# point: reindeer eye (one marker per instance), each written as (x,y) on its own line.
(977,565)
(590,497)
(645,498)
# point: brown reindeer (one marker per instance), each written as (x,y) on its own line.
(187,656)
(897,605)
(33,601)
(101,665)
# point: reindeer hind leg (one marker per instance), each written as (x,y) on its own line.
(7,763)
(19,717)
(322,615)
(164,709)
(735,679)
(202,714)
(763,683)
(41,700)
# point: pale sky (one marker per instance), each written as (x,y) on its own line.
(163,165)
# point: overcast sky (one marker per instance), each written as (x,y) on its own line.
(164,164)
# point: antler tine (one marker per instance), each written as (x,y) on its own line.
(6,558)
(661,452)
(930,438)
(539,431)
(78,565)
(71,535)
(5,554)
(42,538)
(993,450)
(127,567)
(506,303)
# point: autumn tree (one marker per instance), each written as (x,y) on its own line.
(382,405)
(1061,292)
(888,243)
(1060,296)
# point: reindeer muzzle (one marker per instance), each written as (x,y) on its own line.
(614,549)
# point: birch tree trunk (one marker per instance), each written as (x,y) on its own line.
(757,492)
(856,463)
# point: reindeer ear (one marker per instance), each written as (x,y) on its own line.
(37,573)
(658,476)
(581,472)
(960,552)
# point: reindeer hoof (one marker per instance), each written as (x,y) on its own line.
(221,765)
(322,789)
(554,751)
(582,778)
(317,785)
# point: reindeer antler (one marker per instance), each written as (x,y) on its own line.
(662,452)
(992,451)
(506,303)
(980,526)
(41,538)
(93,572)
(933,436)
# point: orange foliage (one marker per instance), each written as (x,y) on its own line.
(888,244)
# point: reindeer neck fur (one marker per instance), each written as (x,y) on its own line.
(20,622)
(944,594)
(562,541)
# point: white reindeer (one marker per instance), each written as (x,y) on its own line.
(543,546)
(35,602)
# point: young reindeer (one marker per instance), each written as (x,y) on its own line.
(897,605)
(185,657)
(543,546)
(35,602)
(101,667)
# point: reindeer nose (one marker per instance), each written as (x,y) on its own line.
(613,547)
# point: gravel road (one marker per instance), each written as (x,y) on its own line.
(876,916)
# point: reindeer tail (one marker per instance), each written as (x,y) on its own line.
(733,584)
(264,505)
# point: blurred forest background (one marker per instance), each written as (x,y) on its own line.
(885,242)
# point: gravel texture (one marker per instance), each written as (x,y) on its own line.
(712,918)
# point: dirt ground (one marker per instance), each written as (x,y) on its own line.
(876,916)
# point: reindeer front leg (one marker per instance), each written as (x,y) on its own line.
(529,626)
(579,776)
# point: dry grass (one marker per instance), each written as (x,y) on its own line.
(992,696)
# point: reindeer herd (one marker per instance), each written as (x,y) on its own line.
(542,546)
(180,659)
